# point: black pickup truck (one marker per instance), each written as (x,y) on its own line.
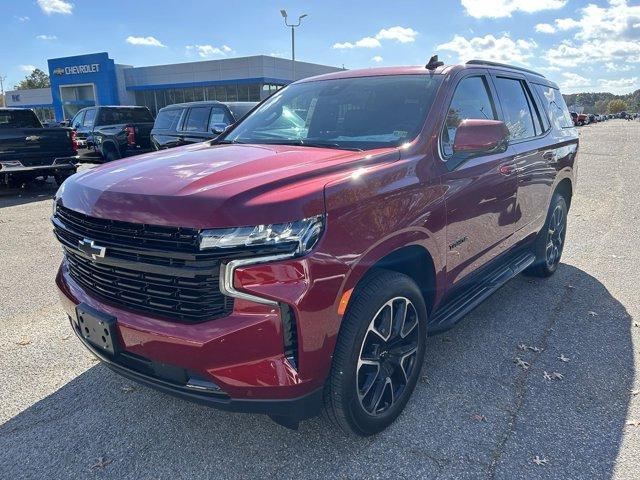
(28,150)
(107,133)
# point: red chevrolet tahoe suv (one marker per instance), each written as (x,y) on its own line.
(297,263)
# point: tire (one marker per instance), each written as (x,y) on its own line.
(353,385)
(110,155)
(550,241)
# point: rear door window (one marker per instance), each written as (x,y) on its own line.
(118,115)
(471,100)
(517,109)
(168,119)
(197,120)
(555,106)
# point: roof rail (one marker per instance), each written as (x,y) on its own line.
(496,64)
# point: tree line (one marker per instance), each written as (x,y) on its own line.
(604,102)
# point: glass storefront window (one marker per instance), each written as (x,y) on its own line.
(198,94)
(221,93)
(232,93)
(188,94)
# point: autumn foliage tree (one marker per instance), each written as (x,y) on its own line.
(617,106)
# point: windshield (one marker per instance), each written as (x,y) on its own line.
(116,116)
(350,113)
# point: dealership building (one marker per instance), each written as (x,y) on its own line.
(95,79)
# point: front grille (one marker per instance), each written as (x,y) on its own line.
(126,234)
(150,269)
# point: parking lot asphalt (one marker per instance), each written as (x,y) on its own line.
(476,413)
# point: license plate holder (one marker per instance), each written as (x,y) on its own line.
(97,328)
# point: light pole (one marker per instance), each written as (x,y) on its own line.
(293,40)
(4,100)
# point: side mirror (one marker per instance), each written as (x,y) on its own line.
(479,136)
(219,128)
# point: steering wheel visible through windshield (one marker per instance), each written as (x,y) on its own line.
(348,113)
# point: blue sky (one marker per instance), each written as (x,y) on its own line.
(583,45)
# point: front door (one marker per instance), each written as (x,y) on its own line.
(480,192)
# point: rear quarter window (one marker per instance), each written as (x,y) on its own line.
(554,105)
(19,119)
(168,119)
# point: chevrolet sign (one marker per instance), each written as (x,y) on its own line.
(77,69)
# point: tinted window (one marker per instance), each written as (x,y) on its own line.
(197,120)
(168,119)
(349,113)
(18,119)
(516,109)
(78,119)
(89,117)
(219,115)
(116,115)
(554,104)
(239,110)
(471,100)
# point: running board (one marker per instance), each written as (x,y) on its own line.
(452,312)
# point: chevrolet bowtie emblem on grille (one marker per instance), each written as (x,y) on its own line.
(89,247)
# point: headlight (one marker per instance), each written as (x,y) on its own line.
(301,236)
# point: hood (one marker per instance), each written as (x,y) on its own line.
(205,186)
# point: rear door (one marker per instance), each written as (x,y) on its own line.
(480,192)
(533,156)
(194,128)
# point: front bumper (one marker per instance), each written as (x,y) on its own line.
(299,408)
(242,353)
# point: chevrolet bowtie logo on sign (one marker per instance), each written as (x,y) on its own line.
(89,248)
(77,69)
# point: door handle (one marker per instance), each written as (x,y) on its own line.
(549,156)
(506,169)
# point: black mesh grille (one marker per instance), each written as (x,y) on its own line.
(150,269)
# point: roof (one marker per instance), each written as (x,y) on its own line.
(207,103)
(422,70)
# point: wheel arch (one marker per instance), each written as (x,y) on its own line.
(412,259)
(565,188)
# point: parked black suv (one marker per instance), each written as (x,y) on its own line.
(112,132)
(193,122)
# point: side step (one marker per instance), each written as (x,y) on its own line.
(452,312)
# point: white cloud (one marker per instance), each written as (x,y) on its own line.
(566,23)
(608,34)
(614,67)
(397,33)
(145,41)
(46,38)
(573,80)
(377,59)
(502,49)
(205,51)
(545,28)
(27,68)
(22,19)
(620,85)
(504,8)
(55,6)
(571,54)
(366,42)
